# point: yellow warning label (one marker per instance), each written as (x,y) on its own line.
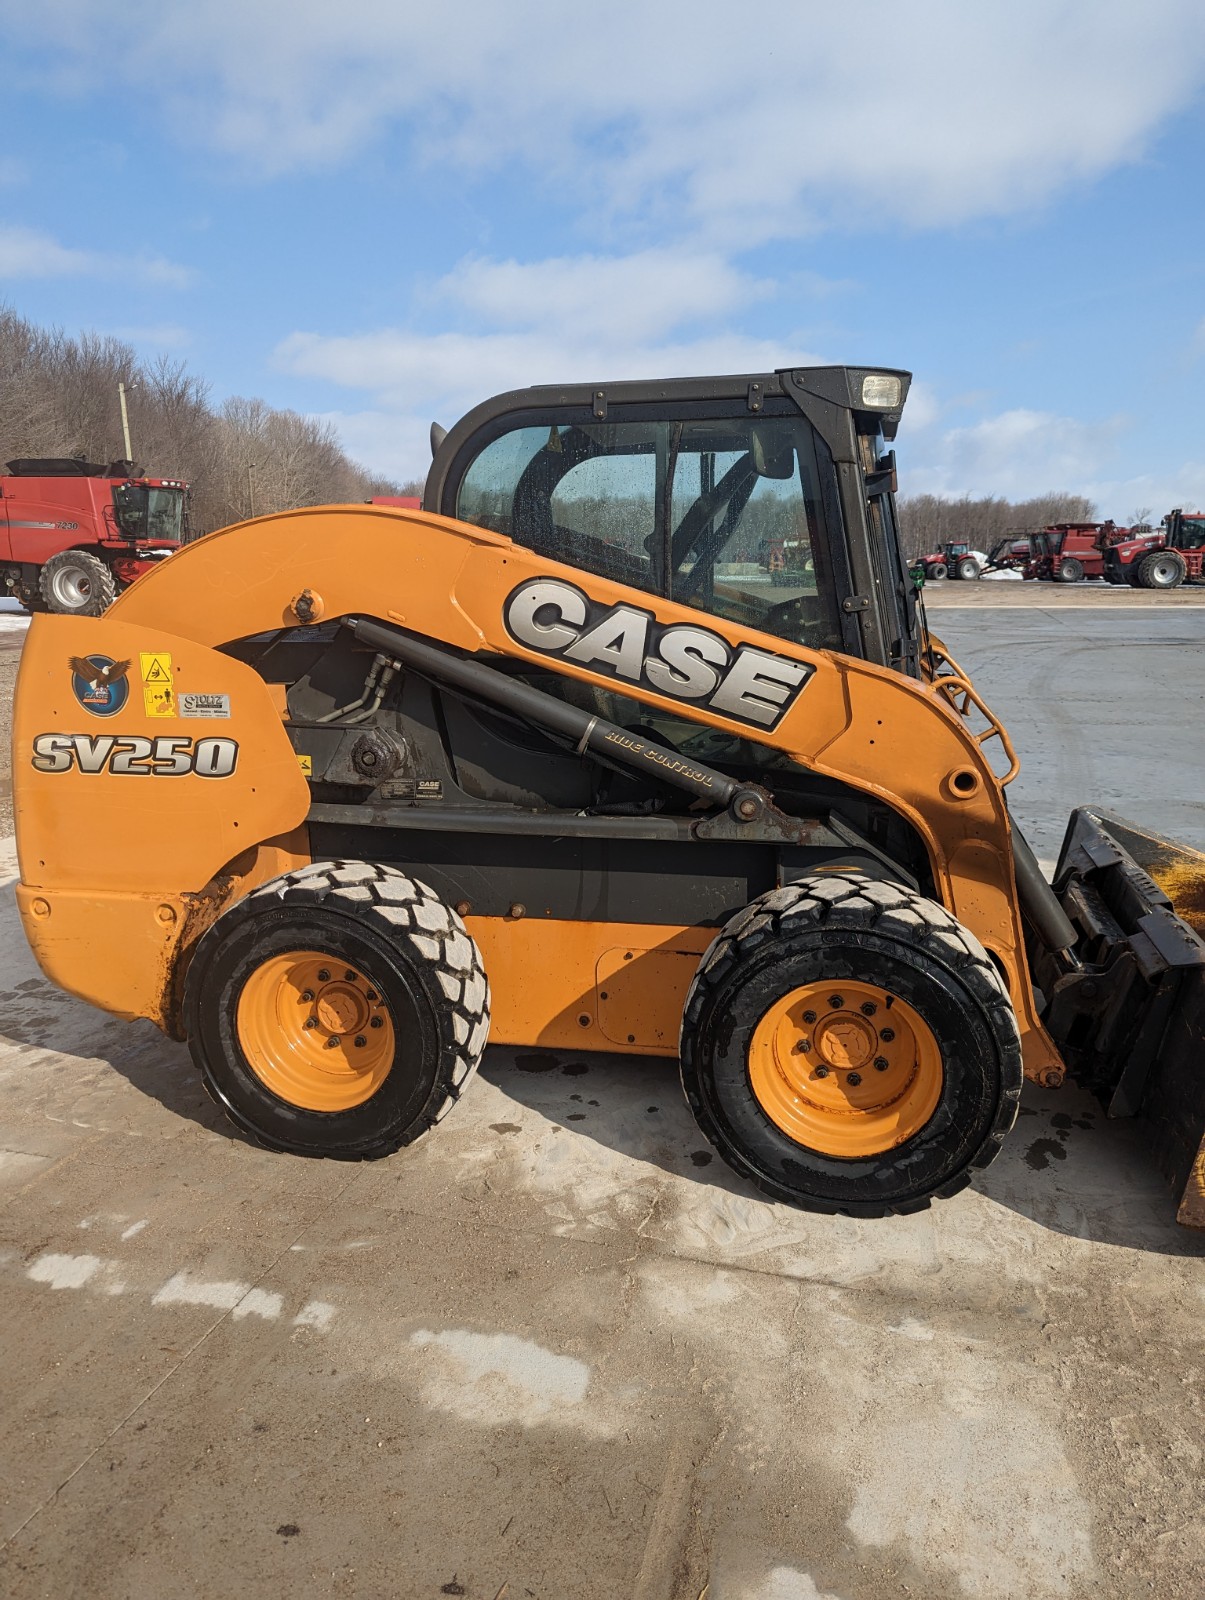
(158,700)
(156,668)
(306,763)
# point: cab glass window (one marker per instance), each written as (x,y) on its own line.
(721,514)
(746,514)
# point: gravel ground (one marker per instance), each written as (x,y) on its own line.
(12,637)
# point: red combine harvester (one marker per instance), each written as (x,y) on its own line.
(1162,560)
(1069,552)
(73,535)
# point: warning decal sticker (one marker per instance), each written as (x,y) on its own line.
(158,692)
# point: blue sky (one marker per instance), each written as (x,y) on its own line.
(383,212)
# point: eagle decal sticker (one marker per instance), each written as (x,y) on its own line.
(100,684)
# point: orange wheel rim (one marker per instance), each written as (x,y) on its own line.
(846,1069)
(315,1031)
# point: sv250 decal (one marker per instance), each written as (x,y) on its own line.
(684,660)
(134,756)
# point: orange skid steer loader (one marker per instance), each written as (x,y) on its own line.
(552,762)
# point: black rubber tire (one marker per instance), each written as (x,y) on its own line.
(848,927)
(1070,571)
(937,569)
(1162,569)
(75,583)
(401,936)
(967,568)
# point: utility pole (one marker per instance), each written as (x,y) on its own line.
(251,485)
(122,391)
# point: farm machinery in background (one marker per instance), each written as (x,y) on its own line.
(1069,552)
(1064,552)
(1162,559)
(955,559)
(74,534)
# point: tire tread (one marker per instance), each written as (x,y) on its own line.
(876,906)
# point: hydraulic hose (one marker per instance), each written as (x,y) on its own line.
(595,734)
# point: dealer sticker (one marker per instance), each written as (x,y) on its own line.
(203,705)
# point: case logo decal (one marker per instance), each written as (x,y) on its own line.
(100,684)
(134,756)
(682,659)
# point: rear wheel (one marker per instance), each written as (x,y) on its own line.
(337,1011)
(1162,569)
(75,583)
(1070,571)
(968,567)
(849,1047)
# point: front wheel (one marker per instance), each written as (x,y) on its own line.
(1162,569)
(938,569)
(338,1011)
(1070,571)
(77,584)
(847,1046)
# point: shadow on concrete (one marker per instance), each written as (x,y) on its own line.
(39,1023)
(1065,1166)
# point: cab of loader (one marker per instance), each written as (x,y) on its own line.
(679,488)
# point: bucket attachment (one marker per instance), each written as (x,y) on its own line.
(1130,1019)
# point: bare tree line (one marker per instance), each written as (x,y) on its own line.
(928,521)
(58,397)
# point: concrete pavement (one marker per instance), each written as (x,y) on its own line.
(557,1351)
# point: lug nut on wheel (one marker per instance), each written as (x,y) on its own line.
(821,1072)
(809,1016)
(324,976)
(886,1035)
(836,1001)
(310,1022)
(377,1022)
(869,1008)
(361,1041)
(853,1079)
(881,1063)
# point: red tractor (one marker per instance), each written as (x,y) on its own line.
(954,560)
(1163,559)
(1069,552)
(73,535)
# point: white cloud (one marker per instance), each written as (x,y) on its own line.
(417,378)
(1018,453)
(1022,453)
(585,319)
(30,253)
(932,112)
(633,297)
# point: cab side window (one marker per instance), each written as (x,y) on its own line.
(723,514)
(583,495)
